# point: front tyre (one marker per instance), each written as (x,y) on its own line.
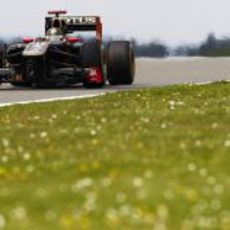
(91,55)
(120,63)
(91,59)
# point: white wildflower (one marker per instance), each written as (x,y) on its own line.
(19,213)
(191,167)
(20,149)
(26,156)
(5,142)
(106,182)
(40,192)
(51,215)
(172,103)
(54,116)
(120,197)
(32,136)
(169,195)
(112,214)
(93,132)
(5,159)
(90,203)
(180,103)
(43,134)
(203,172)
(137,182)
(2,221)
(211,180)
(162,211)
(141,194)
(103,120)
(198,143)
(227,143)
(36,118)
(125,210)
(215,204)
(29,168)
(182,145)
(219,189)
(214,125)
(148,174)
(81,184)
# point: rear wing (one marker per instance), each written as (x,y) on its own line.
(70,24)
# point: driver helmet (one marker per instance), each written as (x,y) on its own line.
(54,32)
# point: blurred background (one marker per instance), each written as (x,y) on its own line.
(157,28)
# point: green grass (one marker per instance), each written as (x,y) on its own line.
(148,159)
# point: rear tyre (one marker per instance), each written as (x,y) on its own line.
(91,55)
(120,63)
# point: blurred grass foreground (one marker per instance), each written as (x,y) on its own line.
(147,159)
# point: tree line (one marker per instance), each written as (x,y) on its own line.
(150,49)
(210,47)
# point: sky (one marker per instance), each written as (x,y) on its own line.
(171,21)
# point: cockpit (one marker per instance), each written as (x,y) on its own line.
(54,34)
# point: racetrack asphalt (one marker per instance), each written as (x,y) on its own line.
(149,72)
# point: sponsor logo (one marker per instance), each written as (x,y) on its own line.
(79,20)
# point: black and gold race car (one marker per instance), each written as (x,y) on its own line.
(64,56)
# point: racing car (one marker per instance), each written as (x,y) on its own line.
(64,56)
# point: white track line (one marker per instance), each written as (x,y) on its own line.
(209,82)
(51,99)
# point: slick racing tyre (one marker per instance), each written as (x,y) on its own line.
(120,63)
(3,48)
(91,55)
